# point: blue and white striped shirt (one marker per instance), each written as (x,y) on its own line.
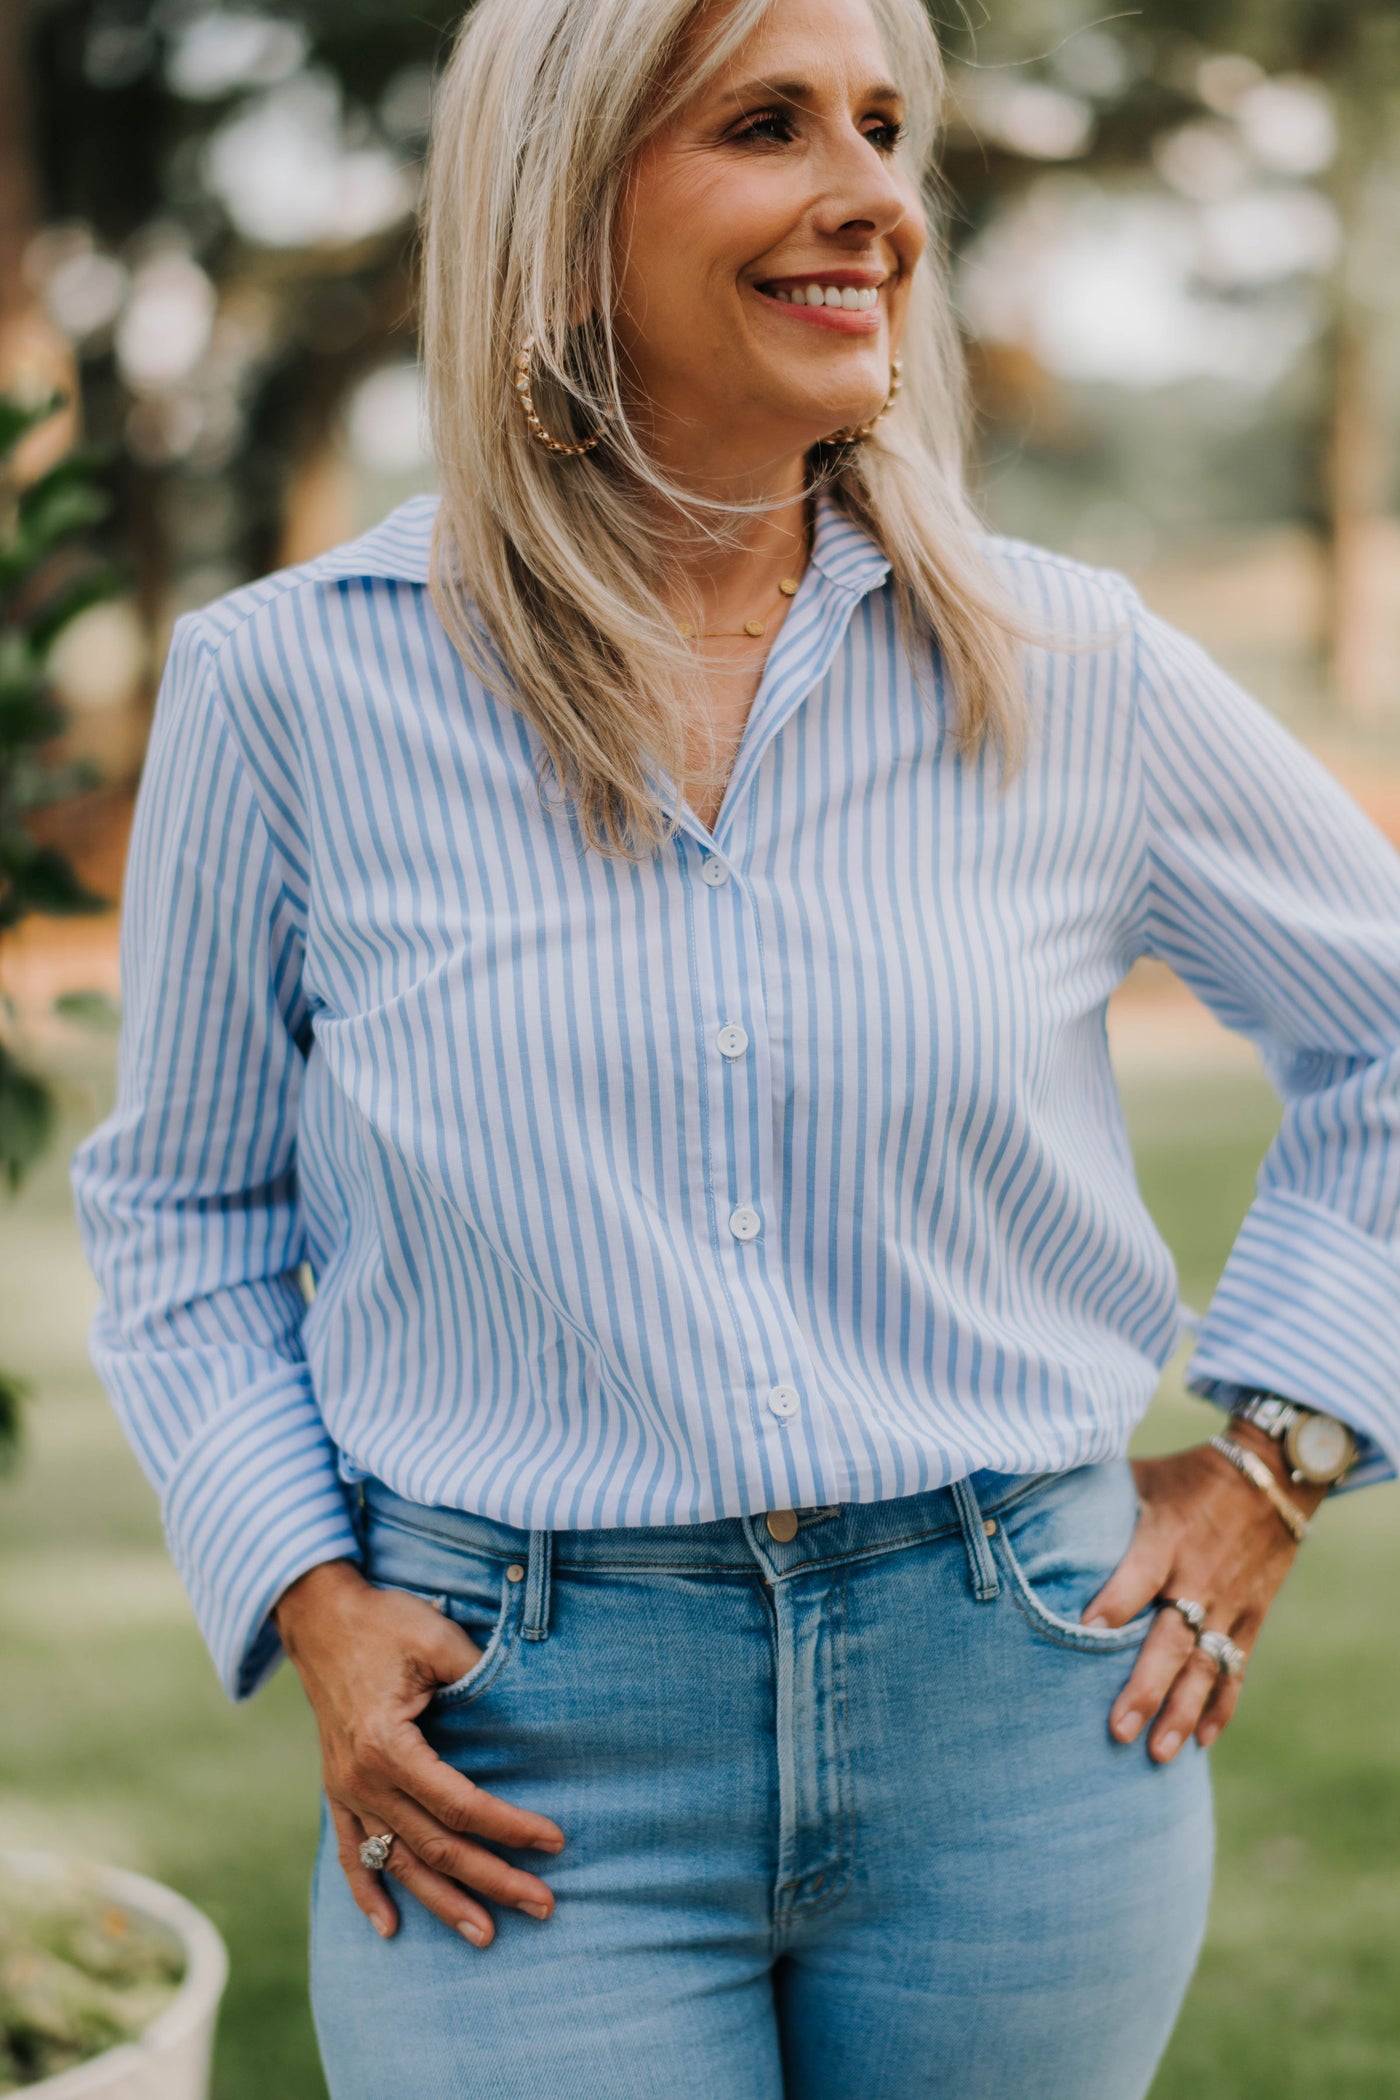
(785,1167)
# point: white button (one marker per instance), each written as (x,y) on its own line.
(785,1400)
(744,1223)
(713,871)
(733,1040)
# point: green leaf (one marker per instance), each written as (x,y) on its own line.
(27,717)
(39,787)
(17,418)
(76,597)
(96,1010)
(63,501)
(13,1393)
(26,1119)
(41,879)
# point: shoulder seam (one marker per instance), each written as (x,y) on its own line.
(211,651)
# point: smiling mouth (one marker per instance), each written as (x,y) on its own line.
(833,298)
(845,308)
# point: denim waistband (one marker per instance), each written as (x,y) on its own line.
(841,1531)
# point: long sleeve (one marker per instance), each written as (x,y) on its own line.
(187,1194)
(1278,901)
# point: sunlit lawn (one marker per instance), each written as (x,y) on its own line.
(116,1740)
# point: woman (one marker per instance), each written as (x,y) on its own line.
(640,930)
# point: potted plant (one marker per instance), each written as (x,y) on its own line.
(109,1984)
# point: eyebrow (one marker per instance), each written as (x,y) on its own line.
(801,91)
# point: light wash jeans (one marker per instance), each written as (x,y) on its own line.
(844,1820)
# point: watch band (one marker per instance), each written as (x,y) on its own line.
(1254,1468)
(1269,1412)
(1294,1426)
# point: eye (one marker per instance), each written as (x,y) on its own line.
(886,137)
(768,124)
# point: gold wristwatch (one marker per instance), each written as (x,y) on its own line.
(1318,1447)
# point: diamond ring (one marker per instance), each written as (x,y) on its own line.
(1193,1613)
(1222,1652)
(375,1851)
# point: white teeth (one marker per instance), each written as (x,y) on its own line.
(847,297)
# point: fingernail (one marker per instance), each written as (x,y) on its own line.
(470,1930)
(1207,1736)
(1128,1728)
(1098,1620)
(382,1927)
(534,1910)
(1168,1746)
(548,1845)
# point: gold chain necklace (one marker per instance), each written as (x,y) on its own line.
(751,628)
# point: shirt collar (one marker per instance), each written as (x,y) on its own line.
(398,547)
(844,551)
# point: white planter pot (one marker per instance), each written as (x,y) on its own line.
(171,2059)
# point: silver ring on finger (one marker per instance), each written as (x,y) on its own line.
(1193,1613)
(374,1853)
(1222,1651)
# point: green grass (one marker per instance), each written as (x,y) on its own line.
(115,1739)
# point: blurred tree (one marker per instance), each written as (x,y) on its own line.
(225,192)
(1151,74)
(46,581)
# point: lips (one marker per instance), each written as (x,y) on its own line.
(865,319)
(859,279)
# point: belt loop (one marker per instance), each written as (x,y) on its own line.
(359,1514)
(536,1626)
(981,1568)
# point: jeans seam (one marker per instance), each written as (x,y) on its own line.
(792,1915)
(845,1794)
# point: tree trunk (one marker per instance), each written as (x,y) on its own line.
(35,358)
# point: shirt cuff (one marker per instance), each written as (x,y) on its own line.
(254,1503)
(1309,1307)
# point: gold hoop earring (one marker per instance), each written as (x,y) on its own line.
(527,408)
(856,433)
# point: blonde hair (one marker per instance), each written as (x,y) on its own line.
(545,571)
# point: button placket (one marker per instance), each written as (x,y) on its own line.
(742,1127)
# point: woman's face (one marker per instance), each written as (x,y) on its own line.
(778,177)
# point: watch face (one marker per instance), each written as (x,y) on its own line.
(1320,1447)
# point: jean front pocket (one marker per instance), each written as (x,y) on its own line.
(496,1651)
(478,1591)
(1058,1542)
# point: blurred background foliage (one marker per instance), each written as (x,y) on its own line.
(1176,230)
(1175,240)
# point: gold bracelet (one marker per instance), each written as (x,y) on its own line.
(1254,1468)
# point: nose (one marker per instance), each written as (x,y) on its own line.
(863,200)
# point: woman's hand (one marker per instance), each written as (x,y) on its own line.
(370,1660)
(1209,1535)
